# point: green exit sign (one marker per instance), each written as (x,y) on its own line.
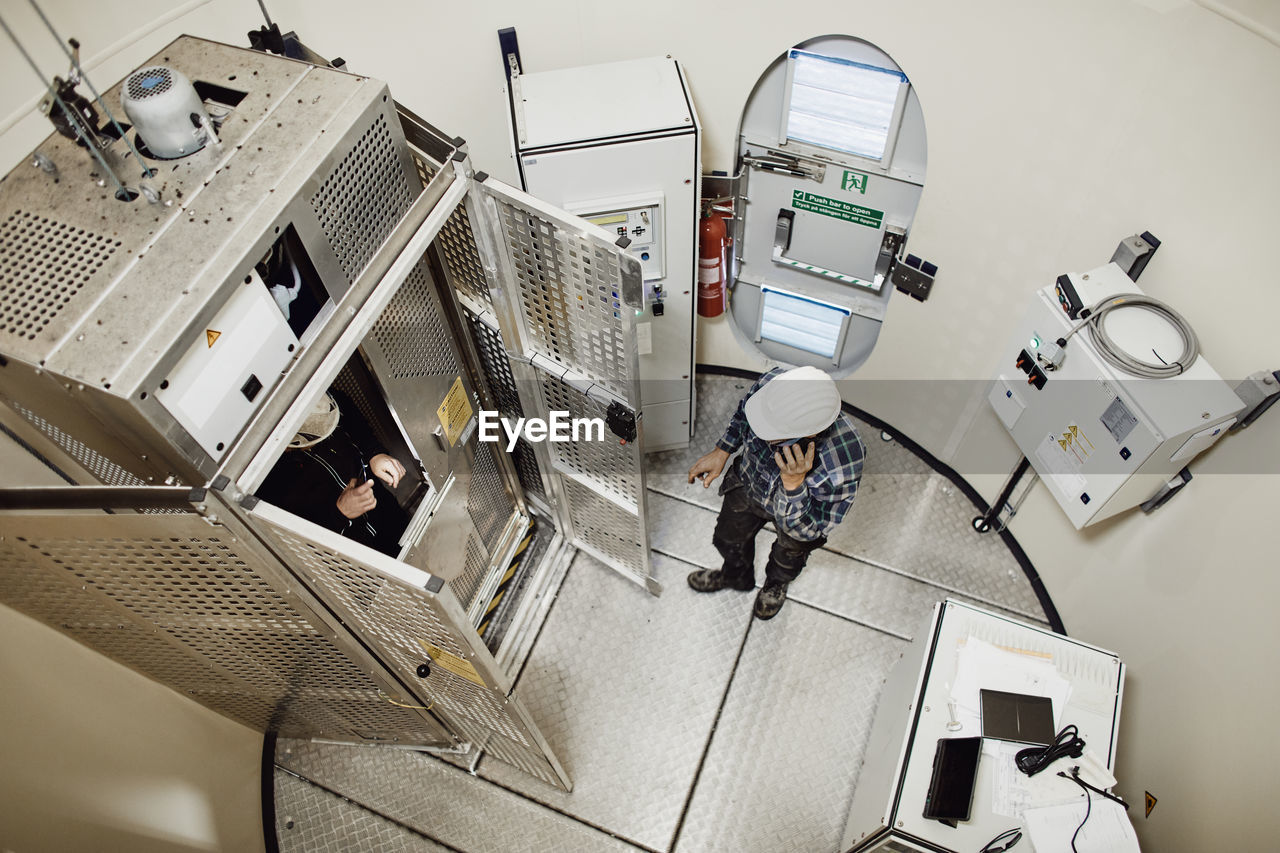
(854,181)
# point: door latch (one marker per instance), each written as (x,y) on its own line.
(621,421)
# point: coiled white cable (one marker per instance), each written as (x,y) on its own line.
(1121,358)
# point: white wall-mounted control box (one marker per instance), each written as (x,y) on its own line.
(1102,439)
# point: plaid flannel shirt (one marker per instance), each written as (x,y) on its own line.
(820,503)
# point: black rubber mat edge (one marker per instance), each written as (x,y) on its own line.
(269,839)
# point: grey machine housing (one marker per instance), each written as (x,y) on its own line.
(107,297)
(141,345)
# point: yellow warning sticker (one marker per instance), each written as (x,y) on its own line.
(455,411)
(1075,443)
(1151,802)
(211,336)
(452,663)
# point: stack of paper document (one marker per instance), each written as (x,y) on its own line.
(1107,830)
(1014,792)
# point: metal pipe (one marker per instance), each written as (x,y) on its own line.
(90,140)
(993,512)
(99,497)
(74,59)
(263,7)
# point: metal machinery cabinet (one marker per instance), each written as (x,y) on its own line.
(619,144)
(143,353)
(888,804)
(1104,440)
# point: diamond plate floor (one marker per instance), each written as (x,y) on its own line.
(432,798)
(781,769)
(685,724)
(625,687)
(320,820)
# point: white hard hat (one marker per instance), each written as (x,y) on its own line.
(794,404)
(318,426)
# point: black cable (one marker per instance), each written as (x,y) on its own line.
(1088,809)
(1074,776)
(1009,836)
(1036,758)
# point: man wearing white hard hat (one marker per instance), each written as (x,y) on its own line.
(328,474)
(799,468)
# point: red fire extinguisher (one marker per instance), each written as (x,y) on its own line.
(711,264)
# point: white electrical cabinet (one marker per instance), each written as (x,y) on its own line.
(619,145)
(887,811)
(1102,439)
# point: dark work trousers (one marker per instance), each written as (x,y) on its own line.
(739,521)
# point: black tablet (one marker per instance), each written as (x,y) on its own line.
(1017,717)
(955,771)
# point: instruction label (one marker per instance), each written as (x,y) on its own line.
(644,338)
(450,662)
(837,209)
(455,412)
(1118,420)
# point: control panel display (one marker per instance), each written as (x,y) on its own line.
(642,225)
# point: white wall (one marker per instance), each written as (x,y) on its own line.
(1056,128)
(94,756)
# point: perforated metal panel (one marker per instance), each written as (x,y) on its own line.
(108,472)
(425,170)
(462,263)
(388,605)
(610,532)
(192,606)
(496,366)
(364,197)
(412,332)
(148,82)
(608,465)
(466,585)
(570,296)
(46,265)
(488,503)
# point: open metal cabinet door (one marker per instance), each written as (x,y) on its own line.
(412,622)
(200,606)
(566,299)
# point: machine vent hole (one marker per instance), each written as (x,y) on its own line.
(46,264)
(149,82)
(363,198)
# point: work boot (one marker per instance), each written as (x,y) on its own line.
(713,580)
(770,600)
